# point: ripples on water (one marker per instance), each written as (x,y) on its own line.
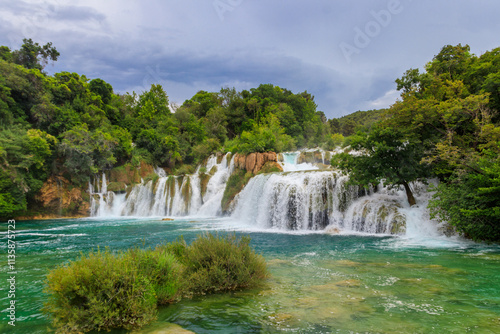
(320,283)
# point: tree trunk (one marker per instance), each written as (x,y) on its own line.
(409,194)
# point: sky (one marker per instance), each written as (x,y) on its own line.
(346,53)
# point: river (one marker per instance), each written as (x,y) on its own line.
(321,283)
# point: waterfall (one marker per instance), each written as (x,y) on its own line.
(289,201)
(102,201)
(322,200)
(303,197)
(197,194)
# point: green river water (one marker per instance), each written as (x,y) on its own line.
(320,283)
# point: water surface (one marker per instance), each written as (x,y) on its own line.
(320,283)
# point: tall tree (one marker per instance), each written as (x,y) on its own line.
(33,55)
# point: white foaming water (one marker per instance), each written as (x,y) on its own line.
(295,201)
(301,199)
(170,195)
(102,201)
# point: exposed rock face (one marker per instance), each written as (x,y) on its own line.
(60,198)
(254,162)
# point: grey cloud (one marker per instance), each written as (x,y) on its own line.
(293,44)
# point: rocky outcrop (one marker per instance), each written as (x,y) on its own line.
(59,198)
(254,162)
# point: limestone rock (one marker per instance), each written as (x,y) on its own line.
(255,162)
(251,160)
(59,197)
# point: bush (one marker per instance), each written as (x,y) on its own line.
(100,291)
(163,271)
(222,263)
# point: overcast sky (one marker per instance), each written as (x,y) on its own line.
(346,53)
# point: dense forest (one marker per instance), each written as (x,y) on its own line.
(445,126)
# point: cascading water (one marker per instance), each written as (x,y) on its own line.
(290,201)
(290,163)
(198,194)
(303,197)
(102,201)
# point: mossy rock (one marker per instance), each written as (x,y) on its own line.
(235,184)
(204,178)
(398,225)
(117,187)
(186,193)
(270,167)
(310,157)
(130,174)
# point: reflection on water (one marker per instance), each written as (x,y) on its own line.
(320,283)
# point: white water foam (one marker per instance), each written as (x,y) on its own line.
(302,199)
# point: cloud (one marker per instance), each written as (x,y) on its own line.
(191,45)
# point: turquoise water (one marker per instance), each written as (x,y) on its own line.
(320,283)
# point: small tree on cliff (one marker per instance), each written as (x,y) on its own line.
(385,155)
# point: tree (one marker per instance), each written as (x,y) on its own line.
(33,55)
(452,61)
(101,88)
(384,155)
(154,102)
(470,201)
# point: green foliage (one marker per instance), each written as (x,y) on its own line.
(358,121)
(384,154)
(101,88)
(12,197)
(34,56)
(87,152)
(269,136)
(333,141)
(103,291)
(470,201)
(100,291)
(185,170)
(215,263)
(235,183)
(163,270)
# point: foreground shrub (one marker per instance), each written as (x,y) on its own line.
(216,263)
(163,271)
(100,291)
